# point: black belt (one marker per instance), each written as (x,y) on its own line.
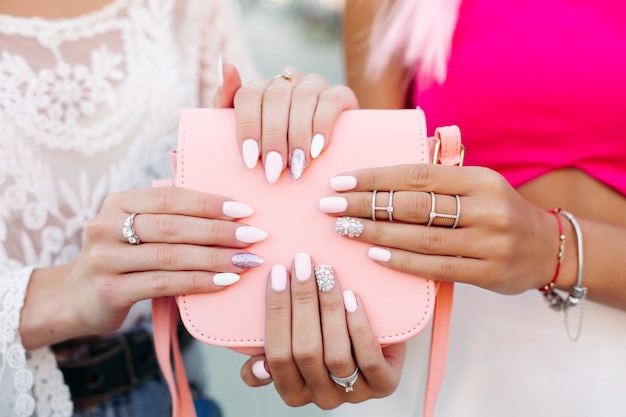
(112,366)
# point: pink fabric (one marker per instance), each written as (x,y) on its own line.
(537,85)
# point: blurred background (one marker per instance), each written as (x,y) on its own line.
(304,34)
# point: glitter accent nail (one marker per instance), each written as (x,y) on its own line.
(349,227)
(324,277)
(246,260)
(298,163)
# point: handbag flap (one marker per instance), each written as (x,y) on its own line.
(399,305)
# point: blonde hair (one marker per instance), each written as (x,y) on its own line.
(421,32)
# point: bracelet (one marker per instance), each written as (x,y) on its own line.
(578,292)
(548,289)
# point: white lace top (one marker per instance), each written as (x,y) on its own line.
(88,106)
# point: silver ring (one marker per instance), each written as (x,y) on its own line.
(388,208)
(348,381)
(434,214)
(128,232)
(286,75)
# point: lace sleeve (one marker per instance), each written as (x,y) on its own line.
(30,382)
(223,32)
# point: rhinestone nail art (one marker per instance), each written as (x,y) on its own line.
(349,227)
(325,277)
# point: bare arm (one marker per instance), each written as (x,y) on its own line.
(387,90)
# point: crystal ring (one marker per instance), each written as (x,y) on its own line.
(388,208)
(348,381)
(128,232)
(286,75)
(434,214)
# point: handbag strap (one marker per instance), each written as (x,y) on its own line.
(447,150)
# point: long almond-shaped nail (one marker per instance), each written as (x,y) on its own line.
(343,183)
(273,166)
(298,163)
(278,278)
(333,204)
(349,301)
(250,234)
(250,151)
(224,279)
(317,145)
(246,260)
(236,210)
(379,254)
(302,263)
(349,227)
(325,277)
(259,370)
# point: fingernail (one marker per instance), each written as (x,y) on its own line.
(273,166)
(220,70)
(278,277)
(249,234)
(258,369)
(333,204)
(246,260)
(349,301)
(298,162)
(379,254)
(343,183)
(317,145)
(250,153)
(236,210)
(324,277)
(302,262)
(224,279)
(349,227)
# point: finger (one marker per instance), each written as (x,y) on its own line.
(303,106)
(307,341)
(255,373)
(401,206)
(173,228)
(275,124)
(329,107)
(278,335)
(380,369)
(177,200)
(337,348)
(231,82)
(247,103)
(441,179)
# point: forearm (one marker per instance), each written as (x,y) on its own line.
(46,318)
(385,90)
(604,263)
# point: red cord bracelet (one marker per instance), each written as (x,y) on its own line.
(548,287)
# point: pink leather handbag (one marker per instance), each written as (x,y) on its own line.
(399,306)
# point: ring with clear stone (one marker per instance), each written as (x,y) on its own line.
(128,232)
(348,381)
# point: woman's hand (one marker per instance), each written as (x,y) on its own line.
(313,331)
(502,242)
(286,121)
(188,244)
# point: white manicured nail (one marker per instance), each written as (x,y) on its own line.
(278,278)
(220,70)
(333,204)
(236,210)
(250,234)
(349,301)
(317,145)
(298,163)
(224,279)
(258,369)
(379,254)
(302,263)
(250,152)
(342,183)
(273,166)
